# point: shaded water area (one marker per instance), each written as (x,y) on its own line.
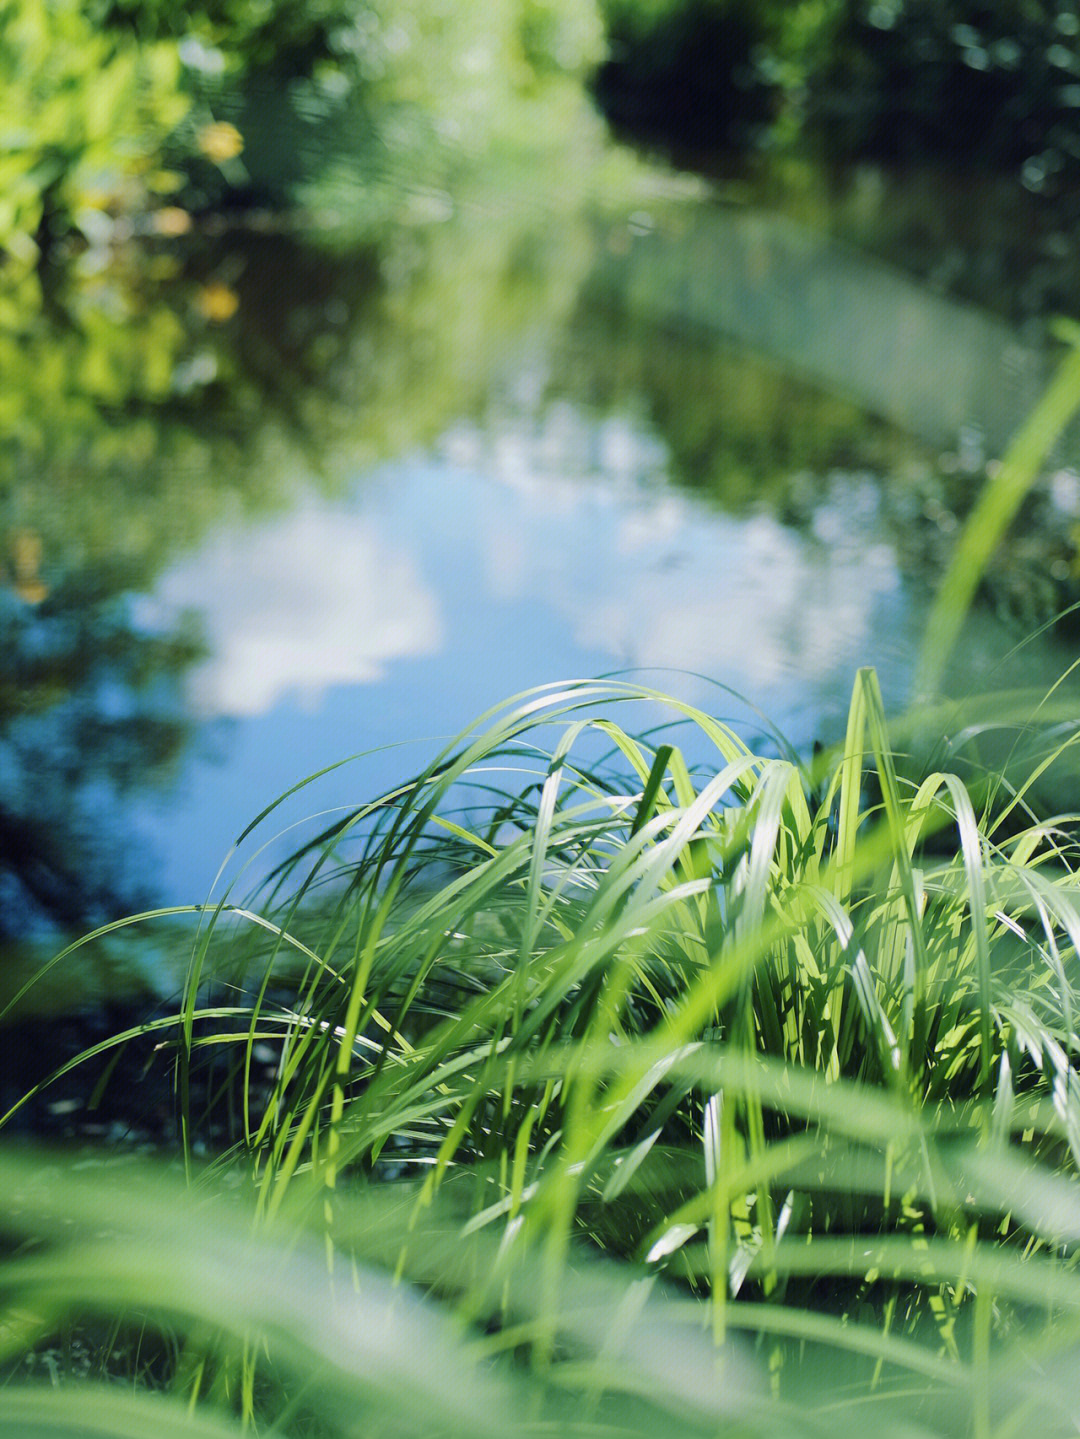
(270,502)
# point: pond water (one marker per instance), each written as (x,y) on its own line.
(270,505)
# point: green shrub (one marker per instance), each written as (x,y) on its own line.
(111,108)
(991,84)
(996,85)
(85,115)
(688,70)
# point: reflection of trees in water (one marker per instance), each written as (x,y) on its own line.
(280,367)
(88,712)
(186,382)
(751,430)
(176,385)
(740,429)
(135,416)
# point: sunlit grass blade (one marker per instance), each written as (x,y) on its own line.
(993,511)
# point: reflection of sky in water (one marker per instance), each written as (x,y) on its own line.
(317,598)
(510,557)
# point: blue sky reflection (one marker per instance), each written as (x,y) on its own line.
(447,582)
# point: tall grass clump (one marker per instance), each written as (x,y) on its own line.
(799,1049)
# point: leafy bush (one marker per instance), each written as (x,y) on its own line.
(994,84)
(687,70)
(897,80)
(85,115)
(111,108)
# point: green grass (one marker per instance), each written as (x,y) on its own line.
(576,1087)
(792,1055)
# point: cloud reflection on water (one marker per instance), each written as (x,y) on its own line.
(516,553)
(651,577)
(294,605)
(608,560)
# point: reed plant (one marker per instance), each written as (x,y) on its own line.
(600,1080)
(796,1049)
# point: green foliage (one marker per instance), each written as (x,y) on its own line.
(285,33)
(85,115)
(113,107)
(217,1325)
(800,1045)
(407,92)
(728,910)
(909,79)
(687,70)
(993,84)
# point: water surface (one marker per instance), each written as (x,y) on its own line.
(271,505)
